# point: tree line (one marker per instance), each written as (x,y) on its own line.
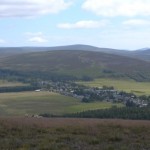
(115,113)
(12,75)
(17,89)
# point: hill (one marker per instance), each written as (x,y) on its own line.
(78,64)
(9,51)
(142,54)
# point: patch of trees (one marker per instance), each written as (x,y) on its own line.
(17,89)
(130,103)
(142,76)
(115,113)
(11,75)
(87,78)
(139,76)
(107,71)
(27,77)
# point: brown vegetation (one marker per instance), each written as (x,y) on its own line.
(53,122)
(77,63)
(73,134)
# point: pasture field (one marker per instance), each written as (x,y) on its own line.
(91,106)
(14,104)
(5,83)
(73,134)
(138,88)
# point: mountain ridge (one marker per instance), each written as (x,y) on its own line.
(138,54)
(143,54)
(78,63)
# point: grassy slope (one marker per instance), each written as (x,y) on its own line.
(76,63)
(139,88)
(74,134)
(43,102)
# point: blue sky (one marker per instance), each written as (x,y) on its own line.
(111,23)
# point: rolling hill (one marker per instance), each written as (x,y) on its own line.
(9,51)
(142,54)
(78,63)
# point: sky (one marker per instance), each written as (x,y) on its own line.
(119,24)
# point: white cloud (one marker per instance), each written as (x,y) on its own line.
(29,8)
(112,8)
(2,41)
(136,22)
(37,37)
(31,34)
(38,40)
(85,24)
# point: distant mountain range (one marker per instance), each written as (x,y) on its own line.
(143,54)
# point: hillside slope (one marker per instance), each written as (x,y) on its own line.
(78,63)
(9,51)
(142,54)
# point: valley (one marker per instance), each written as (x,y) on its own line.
(66,77)
(50,99)
(74,75)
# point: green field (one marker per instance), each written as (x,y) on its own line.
(43,102)
(139,88)
(5,83)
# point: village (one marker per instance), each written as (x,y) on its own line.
(91,94)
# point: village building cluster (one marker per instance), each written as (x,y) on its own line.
(90,94)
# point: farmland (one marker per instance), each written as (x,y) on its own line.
(139,88)
(14,104)
(5,83)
